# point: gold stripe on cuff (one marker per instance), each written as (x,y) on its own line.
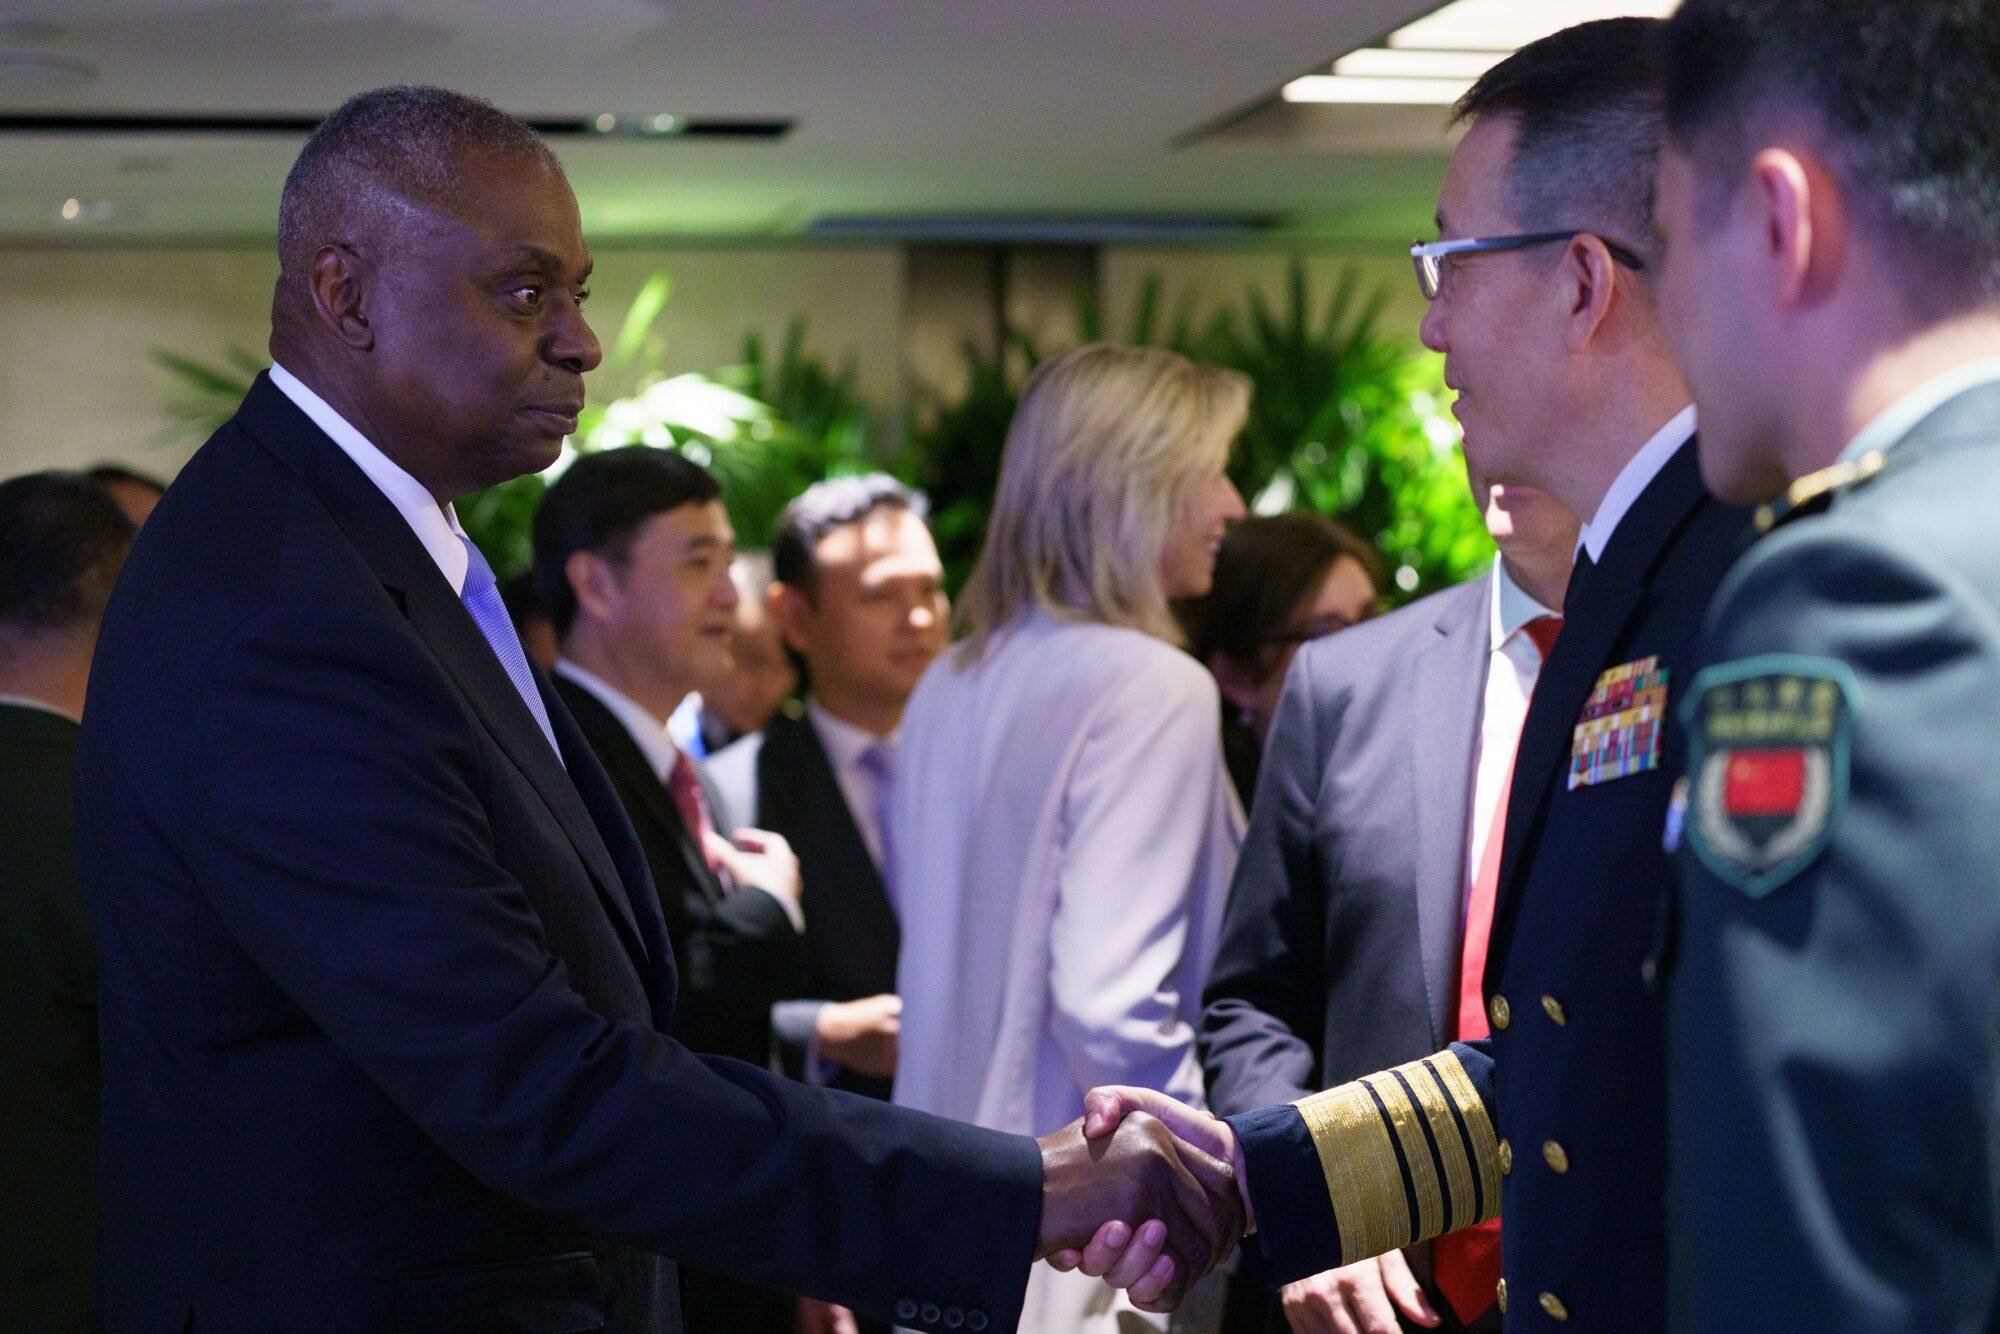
(1357,1139)
(1450,1147)
(1403,1114)
(1485,1145)
(1362,1179)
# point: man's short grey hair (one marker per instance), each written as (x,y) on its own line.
(380,155)
(1590,105)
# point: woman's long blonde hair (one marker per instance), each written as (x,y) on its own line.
(1100,458)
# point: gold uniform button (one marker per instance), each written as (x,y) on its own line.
(1553,1154)
(1500,1295)
(1497,1011)
(1552,1306)
(1506,1156)
(1554,1009)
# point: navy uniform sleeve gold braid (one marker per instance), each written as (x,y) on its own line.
(1383,1162)
(1834,1079)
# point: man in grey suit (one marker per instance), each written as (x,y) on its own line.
(1343,946)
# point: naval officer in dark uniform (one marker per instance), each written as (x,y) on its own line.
(1831,200)
(1543,307)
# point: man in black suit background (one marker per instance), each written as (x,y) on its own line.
(1343,946)
(858,595)
(62,542)
(385,989)
(632,556)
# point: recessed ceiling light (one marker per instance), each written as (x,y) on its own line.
(1381,92)
(1509,25)
(34,70)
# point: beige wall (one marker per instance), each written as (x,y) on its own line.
(77,325)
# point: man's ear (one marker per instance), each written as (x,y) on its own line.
(1803,225)
(341,280)
(789,609)
(598,590)
(1592,278)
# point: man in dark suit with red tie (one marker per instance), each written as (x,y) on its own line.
(385,990)
(632,553)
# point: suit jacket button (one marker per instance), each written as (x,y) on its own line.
(975,1321)
(931,1313)
(906,1309)
(1500,1295)
(953,1317)
(1506,1156)
(1553,1008)
(1553,1154)
(1553,1307)
(1498,1013)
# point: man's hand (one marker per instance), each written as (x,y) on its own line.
(818,1317)
(1138,1208)
(861,1035)
(761,858)
(1358,1299)
(1104,1108)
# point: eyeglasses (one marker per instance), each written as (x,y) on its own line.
(1429,256)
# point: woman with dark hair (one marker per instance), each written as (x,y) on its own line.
(1279,582)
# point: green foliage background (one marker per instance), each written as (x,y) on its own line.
(1344,419)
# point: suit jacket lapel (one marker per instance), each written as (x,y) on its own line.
(1447,714)
(383,538)
(1595,616)
(797,747)
(622,756)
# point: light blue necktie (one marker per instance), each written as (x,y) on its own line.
(489,613)
(879,763)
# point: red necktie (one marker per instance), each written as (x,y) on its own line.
(685,789)
(1466,1264)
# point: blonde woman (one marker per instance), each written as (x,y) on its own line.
(1064,829)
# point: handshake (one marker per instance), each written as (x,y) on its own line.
(1143,1192)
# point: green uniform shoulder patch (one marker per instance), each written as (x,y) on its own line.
(1768,741)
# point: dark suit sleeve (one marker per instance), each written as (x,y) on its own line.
(1385,1162)
(331,791)
(737,958)
(1834,1092)
(1265,1001)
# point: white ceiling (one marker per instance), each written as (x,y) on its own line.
(903,107)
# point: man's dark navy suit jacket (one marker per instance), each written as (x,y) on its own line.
(385,985)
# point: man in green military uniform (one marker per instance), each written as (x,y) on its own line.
(1831,203)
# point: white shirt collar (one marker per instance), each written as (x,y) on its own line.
(1632,481)
(1512,606)
(845,743)
(1906,413)
(649,732)
(435,526)
(38,705)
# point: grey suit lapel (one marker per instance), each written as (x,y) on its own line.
(1448,678)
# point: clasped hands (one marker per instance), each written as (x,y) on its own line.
(1143,1192)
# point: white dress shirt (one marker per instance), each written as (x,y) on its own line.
(845,744)
(1632,481)
(435,525)
(650,735)
(1513,664)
